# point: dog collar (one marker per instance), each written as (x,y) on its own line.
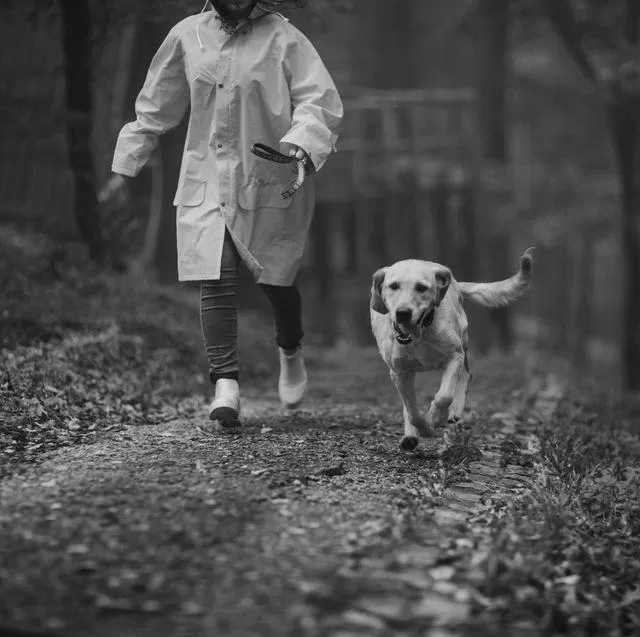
(427,319)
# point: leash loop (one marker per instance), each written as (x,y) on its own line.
(271,154)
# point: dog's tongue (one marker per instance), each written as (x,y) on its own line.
(401,330)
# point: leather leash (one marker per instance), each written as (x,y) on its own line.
(271,154)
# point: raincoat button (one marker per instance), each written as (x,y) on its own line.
(219,145)
(223,204)
(221,85)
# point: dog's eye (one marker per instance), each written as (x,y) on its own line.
(421,287)
(394,286)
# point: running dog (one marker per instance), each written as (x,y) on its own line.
(420,325)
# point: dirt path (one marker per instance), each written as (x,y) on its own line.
(306,524)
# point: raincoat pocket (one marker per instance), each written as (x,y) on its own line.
(191,193)
(261,195)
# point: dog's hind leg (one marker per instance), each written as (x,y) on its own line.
(439,409)
(460,394)
(414,422)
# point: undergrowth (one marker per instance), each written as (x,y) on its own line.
(562,557)
(83,352)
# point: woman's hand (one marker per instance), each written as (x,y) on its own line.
(116,189)
(300,154)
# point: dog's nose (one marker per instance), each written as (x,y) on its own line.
(403,316)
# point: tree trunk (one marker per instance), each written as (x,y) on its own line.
(76,45)
(624,122)
(583,316)
(493,25)
(163,170)
(393,43)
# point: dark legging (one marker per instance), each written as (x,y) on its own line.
(219,315)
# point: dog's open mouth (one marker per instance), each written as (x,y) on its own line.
(401,337)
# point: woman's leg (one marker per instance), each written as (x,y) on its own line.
(287,311)
(219,319)
(219,316)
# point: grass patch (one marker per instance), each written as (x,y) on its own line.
(460,447)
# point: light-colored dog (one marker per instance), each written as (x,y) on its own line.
(420,325)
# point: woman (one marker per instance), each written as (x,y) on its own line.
(248,76)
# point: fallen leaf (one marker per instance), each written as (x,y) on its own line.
(106,602)
(631,597)
(314,589)
(442,572)
(338,470)
(150,606)
(388,607)
(297,531)
(73,424)
(358,618)
(191,608)
(440,609)
(78,549)
(415,578)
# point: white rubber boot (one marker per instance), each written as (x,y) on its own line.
(225,407)
(292,383)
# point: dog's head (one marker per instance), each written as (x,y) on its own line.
(409,291)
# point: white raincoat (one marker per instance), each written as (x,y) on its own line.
(264,83)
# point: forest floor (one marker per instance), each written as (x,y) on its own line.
(122,513)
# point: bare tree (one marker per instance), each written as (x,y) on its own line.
(77,51)
(492,31)
(603,38)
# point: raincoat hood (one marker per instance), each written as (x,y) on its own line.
(229,10)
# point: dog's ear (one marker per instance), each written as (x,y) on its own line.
(377,303)
(443,280)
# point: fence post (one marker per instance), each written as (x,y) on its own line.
(408,204)
(349,218)
(438,197)
(378,245)
(323,272)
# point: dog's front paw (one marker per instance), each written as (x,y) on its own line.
(422,427)
(408,443)
(437,416)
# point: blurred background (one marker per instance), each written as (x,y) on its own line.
(473,129)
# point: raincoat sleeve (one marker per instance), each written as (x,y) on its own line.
(160,105)
(317,107)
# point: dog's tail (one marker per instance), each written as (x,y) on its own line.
(501,293)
